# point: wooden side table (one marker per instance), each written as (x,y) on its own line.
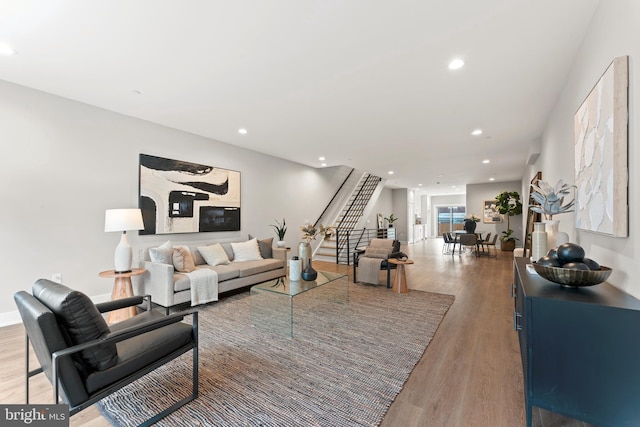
(122,288)
(400,281)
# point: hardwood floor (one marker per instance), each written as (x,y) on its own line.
(470,374)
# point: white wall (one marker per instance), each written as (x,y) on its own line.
(613,32)
(65,162)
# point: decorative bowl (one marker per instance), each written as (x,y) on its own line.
(568,277)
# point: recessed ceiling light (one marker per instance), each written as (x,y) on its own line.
(323,164)
(477,132)
(486,161)
(492,179)
(242,131)
(321,158)
(419,185)
(5,49)
(390,172)
(456,64)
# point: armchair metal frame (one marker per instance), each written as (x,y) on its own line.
(121,335)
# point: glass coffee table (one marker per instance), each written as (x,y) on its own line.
(272,301)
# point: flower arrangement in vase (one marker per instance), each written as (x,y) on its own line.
(309,233)
(551,201)
(470,223)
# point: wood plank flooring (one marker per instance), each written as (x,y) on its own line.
(470,374)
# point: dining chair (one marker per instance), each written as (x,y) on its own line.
(447,242)
(490,244)
(469,240)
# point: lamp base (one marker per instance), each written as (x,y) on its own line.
(123,255)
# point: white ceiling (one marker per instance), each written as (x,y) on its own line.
(364,83)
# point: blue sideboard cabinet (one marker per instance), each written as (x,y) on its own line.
(580,349)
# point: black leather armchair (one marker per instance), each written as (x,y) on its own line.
(394,251)
(86,360)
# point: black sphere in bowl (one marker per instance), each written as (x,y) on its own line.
(570,252)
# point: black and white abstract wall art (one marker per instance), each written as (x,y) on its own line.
(184,197)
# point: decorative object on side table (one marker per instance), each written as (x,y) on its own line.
(508,203)
(470,223)
(550,202)
(123,220)
(281,230)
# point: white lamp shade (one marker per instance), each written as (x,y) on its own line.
(123,220)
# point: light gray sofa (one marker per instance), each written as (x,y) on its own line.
(169,288)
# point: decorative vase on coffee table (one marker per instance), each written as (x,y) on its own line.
(309,273)
(304,253)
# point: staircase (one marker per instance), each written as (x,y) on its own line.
(336,249)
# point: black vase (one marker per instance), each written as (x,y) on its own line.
(470,226)
(309,273)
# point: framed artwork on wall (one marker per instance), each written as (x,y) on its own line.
(601,145)
(490,214)
(183,197)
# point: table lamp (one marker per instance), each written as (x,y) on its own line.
(123,220)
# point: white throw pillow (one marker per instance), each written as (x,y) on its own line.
(182,259)
(214,254)
(246,251)
(162,254)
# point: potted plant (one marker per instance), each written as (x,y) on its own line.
(281,230)
(508,203)
(391,219)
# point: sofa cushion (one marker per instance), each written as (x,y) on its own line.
(182,259)
(249,268)
(246,251)
(214,254)
(81,320)
(162,254)
(181,282)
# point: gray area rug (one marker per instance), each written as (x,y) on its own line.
(343,367)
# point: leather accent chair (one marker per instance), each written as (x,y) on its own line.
(85,359)
(394,247)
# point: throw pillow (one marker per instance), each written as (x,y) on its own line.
(182,259)
(214,254)
(163,254)
(246,251)
(377,252)
(265,246)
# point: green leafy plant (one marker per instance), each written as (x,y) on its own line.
(551,199)
(280,229)
(391,219)
(508,203)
